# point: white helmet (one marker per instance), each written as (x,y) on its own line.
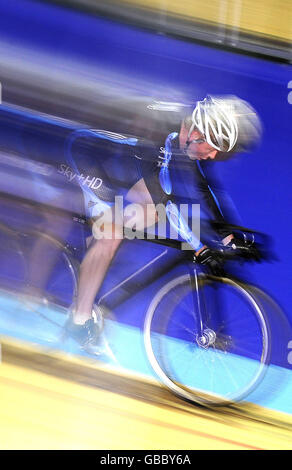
(225,122)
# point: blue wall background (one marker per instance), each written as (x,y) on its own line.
(259,183)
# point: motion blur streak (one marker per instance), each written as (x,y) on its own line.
(78,91)
(255,16)
(158,422)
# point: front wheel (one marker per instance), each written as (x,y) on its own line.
(226,362)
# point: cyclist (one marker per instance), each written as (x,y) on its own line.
(217,128)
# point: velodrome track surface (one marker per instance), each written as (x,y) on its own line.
(54,401)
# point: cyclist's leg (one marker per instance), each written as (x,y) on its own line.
(92,272)
(101,252)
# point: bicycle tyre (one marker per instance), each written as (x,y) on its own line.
(169,377)
(67,261)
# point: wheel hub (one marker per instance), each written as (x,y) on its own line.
(207,339)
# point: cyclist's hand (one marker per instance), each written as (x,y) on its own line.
(212,260)
(244,249)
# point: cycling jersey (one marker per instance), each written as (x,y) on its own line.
(107,164)
(192,182)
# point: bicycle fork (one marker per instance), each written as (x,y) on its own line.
(205,337)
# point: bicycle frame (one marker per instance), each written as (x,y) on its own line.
(188,258)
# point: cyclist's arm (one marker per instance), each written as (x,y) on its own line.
(216,201)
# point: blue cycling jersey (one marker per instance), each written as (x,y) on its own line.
(107,164)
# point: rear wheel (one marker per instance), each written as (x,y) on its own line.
(51,273)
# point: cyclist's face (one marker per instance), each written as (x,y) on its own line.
(198,149)
(195,146)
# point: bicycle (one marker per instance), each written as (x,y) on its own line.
(191,333)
